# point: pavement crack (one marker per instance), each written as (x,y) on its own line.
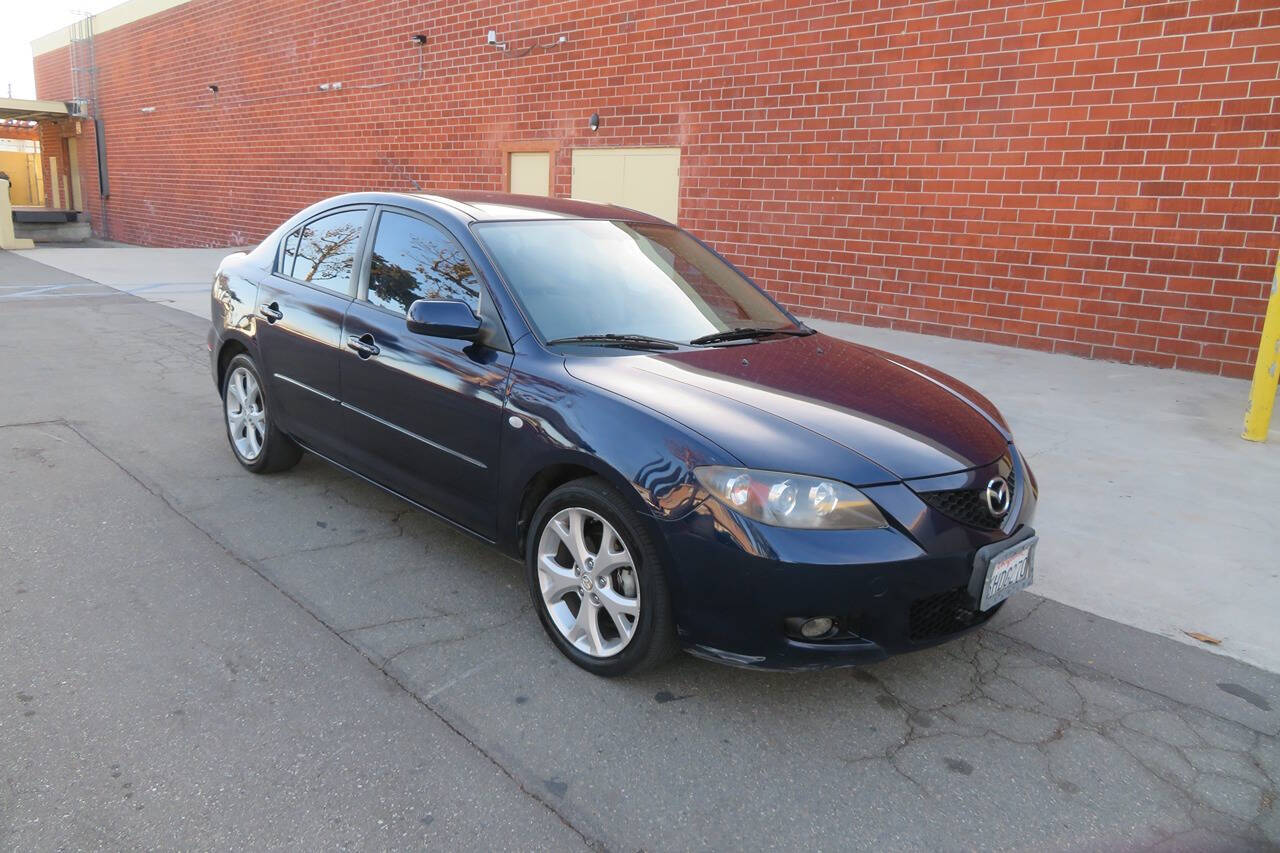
(424,701)
(328,547)
(1000,629)
(421,617)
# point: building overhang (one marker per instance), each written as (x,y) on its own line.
(20,109)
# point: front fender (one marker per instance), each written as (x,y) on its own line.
(646,456)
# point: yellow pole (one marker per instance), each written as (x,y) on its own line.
(1262,396)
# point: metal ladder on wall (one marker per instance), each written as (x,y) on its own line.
(84,71)
(84,95)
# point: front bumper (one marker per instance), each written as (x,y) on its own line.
(735,582)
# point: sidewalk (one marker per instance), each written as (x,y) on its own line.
(179,278)
(1153,511)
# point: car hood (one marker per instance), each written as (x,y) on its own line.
(794,403)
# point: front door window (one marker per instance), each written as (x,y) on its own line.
(412,260)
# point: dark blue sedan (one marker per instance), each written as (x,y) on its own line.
(677,460)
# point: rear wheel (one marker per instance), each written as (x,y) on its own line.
(597,581)
(258,445)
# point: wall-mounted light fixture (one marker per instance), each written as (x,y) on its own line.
(594,122)
(492,40)
(148,110)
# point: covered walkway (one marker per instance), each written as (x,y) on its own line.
(39,153)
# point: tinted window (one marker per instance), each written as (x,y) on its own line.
(414,260)
(327,250)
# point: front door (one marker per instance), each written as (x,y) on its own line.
(299,325)
(422,414)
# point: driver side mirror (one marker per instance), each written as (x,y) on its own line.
(443,318)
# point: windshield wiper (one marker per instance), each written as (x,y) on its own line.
(746,333)
(635,341)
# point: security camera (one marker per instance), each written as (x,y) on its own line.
(418,39)
(492,40)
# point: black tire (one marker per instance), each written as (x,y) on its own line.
(654,640)
(278,452)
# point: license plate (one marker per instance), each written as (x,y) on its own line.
(1008,572)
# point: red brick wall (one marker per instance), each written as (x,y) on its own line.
(1097,177)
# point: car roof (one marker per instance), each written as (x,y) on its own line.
(492,206)
(463,207)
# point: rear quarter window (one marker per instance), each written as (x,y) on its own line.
(285,262)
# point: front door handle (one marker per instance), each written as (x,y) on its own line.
(271,312)
(363,345)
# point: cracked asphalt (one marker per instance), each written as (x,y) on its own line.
(197,657)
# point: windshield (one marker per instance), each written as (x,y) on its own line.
(579,277)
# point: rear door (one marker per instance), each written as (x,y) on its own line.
(423,414)
(299,324)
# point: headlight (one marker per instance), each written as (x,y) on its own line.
(790,500)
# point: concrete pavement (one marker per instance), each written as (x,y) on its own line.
(342,660)
(179,278)
(1168,515)
(157,693)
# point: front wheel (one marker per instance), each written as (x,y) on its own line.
(597,581)
(258,445)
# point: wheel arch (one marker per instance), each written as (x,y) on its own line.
(230,348)
(552,476)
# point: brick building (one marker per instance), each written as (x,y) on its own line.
(1096,177)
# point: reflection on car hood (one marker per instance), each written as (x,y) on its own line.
(783,404)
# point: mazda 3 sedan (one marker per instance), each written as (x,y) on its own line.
(678,461)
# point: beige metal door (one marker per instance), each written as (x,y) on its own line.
(646,179)
(531,172)
(73,159)
(53,175)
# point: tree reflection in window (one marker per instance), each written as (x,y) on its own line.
(415,260)
(327,250)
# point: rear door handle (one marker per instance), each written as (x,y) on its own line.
(363,345)
(272,312)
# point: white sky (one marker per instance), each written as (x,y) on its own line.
(26,20)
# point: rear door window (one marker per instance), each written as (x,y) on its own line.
(326,250)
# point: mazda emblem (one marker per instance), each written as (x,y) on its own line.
(998,497)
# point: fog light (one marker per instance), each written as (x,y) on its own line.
(817,627)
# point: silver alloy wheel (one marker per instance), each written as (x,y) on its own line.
(246,414)
(588,582)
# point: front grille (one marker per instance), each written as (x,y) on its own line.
(967,506)
(942,614)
